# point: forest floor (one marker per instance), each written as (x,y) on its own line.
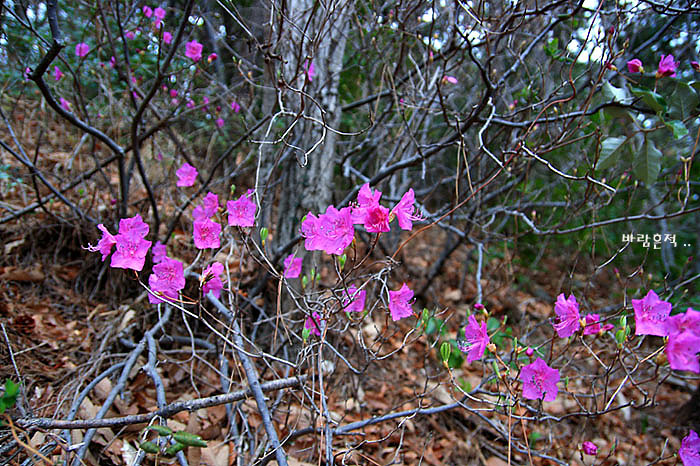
(61,325)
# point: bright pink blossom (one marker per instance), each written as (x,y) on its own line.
(377,219)
(65,105)
(167,280)
(212,57)
(57,73)
(667,67)
(147,11)
(130,35)
(112,62)
(310,70)
(82,49)
(568,316)
(209,207)
(220,122)
(477,339)
(593,325)
(695,65)
(193,50)
(404,211)
(206,234)
(590,448)
(292,266)
(159,251)
(131,251)
(159,15)
(635,66)
(449,79)
(104,245)
(539,381)
(331,232)
(682,351)
(690,449)
(235,107)
(650,315)
(400,303)
(211,279)
(365,200)
(241,212)
(354,299)
(314,323)
(689,320)
(167,37)
(186,175)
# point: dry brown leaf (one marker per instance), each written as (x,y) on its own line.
(215,454)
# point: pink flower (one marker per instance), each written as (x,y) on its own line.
(166,280)
(313,323)
(690,449)
(331,232)
(131,251)
(449,79)
(404,211)
(206,234)
(190,103)
(235,107)
(112,61)
(292,266)
(310,70)
(593,325)
(186,175)
(212,57)
(667,67)
(650,315)
(104,245)
(682,350)
(477,338)
(635,66)
(173,93)
(159,252)
(400,303)
(689,320)
(129,35)
(159,14)
(539,381)
(590,448)
(353,300)
(241,212)
(365,200)
(209,207)
(529,351)
(57,73)
(568,314)
(695,65)
(65,104)
(220,122)
(82,49)
(211,280)
(167,37)
(147,11)
(135,224)
(193,50)
(377,219)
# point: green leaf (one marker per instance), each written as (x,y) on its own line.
(305,334)
(678,128)
(610,152)
(11,389)
(534,437)
(492,324)
(149,447)
(445,351)
(683,101)
(456,359)
(655,101)
(173,449)
(552,47)
(620,336)
(160,430)
(648,163)
(191,440)
(616,94)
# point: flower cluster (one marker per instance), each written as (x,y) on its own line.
(241,212)
(667,66)
(569,319)
(206,231)
(477,339)
(131,247)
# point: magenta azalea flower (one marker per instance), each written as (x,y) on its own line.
(159,252)
(689,320)
(130,35)
(65,105)
(366,199)
(292,266)
(690,449)
(212,57)
(131,251)
(167,37)
(635,66)
(331,232)
(310,70)
(650,315)
(695,65)
(235,107)
(193,50)
(449,79)
(166,280)
(568,316)
(82,49)
(211,279)
(539,381)
(682,351)
(57,73)
(159,15)
(377,219)
(209,207)
(206,234)
(593,325)
(147,11)
(186,175)
(135,223)
(404,211)
(400,303)
(590,448)
(313,323)
(241,212)
(104,245)
(220,122)
(353,300)
(667,67)
(477,338)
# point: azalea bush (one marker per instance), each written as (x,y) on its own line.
(307,201)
